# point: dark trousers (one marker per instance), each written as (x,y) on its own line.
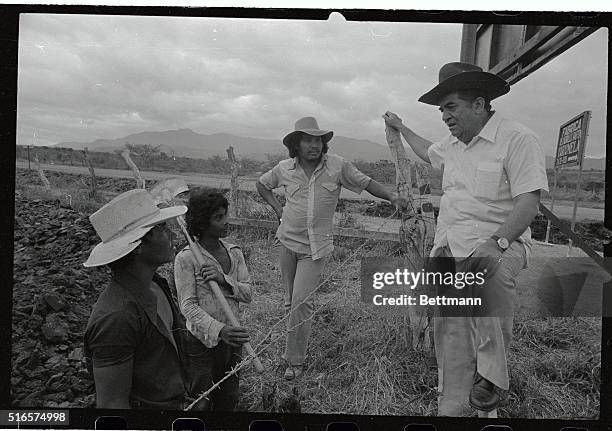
(206,367)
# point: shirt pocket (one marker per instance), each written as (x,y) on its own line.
(330,187)
(329,193)
(487,179)
(291,189)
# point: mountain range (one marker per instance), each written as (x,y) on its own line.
(187,143)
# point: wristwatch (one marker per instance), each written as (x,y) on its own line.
(502,242)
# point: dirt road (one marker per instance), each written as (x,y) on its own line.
(248,183)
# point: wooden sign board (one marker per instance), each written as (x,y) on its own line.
(572,137)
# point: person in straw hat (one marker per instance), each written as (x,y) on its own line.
(493,171)
(312,180)
(133,336)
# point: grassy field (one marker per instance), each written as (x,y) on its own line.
(360,360)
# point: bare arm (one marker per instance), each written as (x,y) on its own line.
(418,144)
(113,385)
(521,216)
(269,197)
(524,211)
(378,190)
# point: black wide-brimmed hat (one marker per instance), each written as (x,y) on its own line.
(309,126)
(464,76)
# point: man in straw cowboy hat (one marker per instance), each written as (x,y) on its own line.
(312,180)
(133,337)
(493,171)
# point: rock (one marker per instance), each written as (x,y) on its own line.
(54,378)
(62,347)
(31,345)
(80,386)
(58,397)
(52,273)
(55,330)
(88,402)
(83,374)
(26,309)
(64,405)
(70,282)
(39,372)
(58,387)
(35,322)
(56,361)
(31,384)
(55,301)
(33,361)
(33,399)
(22,357)
(40,307)
(73,318)
(76,354)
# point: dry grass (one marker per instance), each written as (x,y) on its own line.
(359,360)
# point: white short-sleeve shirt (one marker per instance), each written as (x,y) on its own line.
(480,180)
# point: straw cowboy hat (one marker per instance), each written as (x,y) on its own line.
(123,222)
(309,126)
(464,76)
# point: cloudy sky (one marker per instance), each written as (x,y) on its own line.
(87,77)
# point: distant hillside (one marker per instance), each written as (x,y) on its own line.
(187,143)
(588,164)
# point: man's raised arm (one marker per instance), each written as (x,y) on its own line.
(418,144)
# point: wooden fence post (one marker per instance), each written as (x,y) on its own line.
(423,177)
(92,183)
(41,173)
(413,235)
(140,182)
(233,210)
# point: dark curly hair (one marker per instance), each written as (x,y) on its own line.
(202,204)
(295,143)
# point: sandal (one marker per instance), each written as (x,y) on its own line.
(293,372)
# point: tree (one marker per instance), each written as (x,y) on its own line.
(218,164)
(146,152)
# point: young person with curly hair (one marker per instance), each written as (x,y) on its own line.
(215,345)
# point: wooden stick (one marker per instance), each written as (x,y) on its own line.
(93,182)
(41,173)
(426,205)
(412,232)
(233,197)
(140,182)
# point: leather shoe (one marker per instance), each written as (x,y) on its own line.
(483,395)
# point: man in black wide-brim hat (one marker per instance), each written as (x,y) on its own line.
(493,171)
